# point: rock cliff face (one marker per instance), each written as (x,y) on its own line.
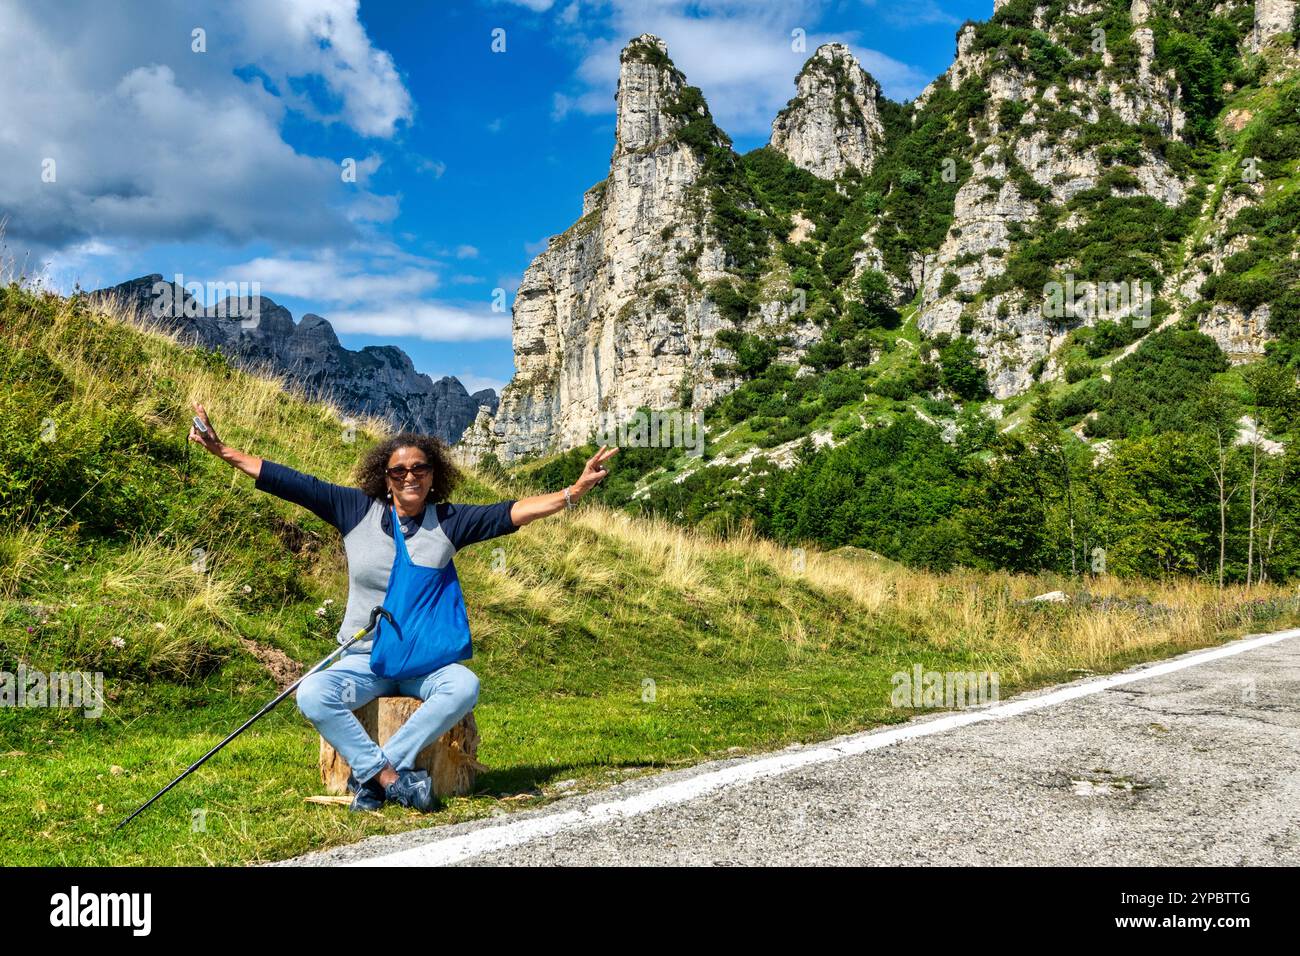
(1057,160)
(257,333)
(1134,92)
(613,316)
(1010,331)
(1272,18)
(1075,140)
(833,123)
(618,312)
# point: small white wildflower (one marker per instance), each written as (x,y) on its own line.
(118,642)
(66,566)
(160,625)
(247,589)
(320,612)
(329,601)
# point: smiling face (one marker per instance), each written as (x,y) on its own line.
(411,490)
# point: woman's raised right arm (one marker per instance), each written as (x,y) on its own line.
(248,464)
(339,505)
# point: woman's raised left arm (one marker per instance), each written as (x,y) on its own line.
(539,506)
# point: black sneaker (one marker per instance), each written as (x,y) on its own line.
(413,789)
(369,795)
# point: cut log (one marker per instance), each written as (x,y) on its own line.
(450,760)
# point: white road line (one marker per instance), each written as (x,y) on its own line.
(512,833)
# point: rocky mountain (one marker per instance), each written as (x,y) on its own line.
(1117,165)
(1080,143)
(624,309)
(256,332)
(833,123)
(612,315)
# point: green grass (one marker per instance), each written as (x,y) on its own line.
(557,704)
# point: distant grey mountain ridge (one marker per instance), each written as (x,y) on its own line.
(256,332)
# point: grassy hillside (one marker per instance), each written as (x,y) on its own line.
(749,644)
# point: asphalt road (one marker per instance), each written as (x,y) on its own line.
(1191,761)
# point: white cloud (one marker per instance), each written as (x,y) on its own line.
(368,166)
(333,278)
(368,207)
(424,165)
(435,321)
(382,293)
(154,143)
(466,252)
(569,15)
(537,247)
(592,102)
(324,38)
(537,6)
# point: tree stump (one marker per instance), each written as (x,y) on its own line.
(449,760)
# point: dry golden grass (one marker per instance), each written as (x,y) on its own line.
(987,614)
(25,554)
(678,556)
(159,573)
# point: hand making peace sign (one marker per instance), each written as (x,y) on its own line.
(594,471)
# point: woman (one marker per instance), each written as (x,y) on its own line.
(407,472)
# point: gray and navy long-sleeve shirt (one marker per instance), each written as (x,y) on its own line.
(366,523)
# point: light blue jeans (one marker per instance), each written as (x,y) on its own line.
(328,697)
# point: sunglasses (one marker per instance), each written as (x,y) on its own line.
(399,473)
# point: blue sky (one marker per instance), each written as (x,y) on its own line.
(223,164)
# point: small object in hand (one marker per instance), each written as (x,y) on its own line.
(568,500)
(198,423)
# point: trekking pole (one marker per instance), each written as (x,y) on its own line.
(375,614)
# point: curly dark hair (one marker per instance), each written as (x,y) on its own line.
(371,469)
